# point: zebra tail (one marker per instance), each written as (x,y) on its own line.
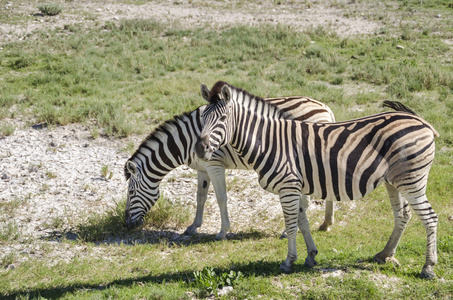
(398,106)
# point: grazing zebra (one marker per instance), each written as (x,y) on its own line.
(171,145)
(332,161)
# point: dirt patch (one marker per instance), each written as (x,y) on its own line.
(298,15)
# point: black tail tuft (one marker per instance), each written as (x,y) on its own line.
(398,106)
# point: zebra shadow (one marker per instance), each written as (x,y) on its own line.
(123,236)
(140,276)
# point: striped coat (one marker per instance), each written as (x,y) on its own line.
(171,145)
(333,161)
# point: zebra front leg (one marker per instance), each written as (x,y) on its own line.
(202,194)
(305,203)
(401,216)
(304,227)
(429,220)
(290,207)
(329,217)
(217,175)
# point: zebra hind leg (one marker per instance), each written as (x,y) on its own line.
(329,217)
(401,215)
(429,219)
(304,227)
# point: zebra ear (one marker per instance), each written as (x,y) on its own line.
(226,93)
(205,92)
(132,168)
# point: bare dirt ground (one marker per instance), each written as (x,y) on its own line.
(216,14)
(53,175)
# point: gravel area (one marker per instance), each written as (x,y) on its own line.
(53,179)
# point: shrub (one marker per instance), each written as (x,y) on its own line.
(50,9)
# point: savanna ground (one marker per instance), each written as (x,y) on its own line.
(80,89)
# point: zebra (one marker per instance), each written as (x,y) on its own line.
(331,161)
(171,145)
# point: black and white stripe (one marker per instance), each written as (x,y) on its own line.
(332,161)
(171,145)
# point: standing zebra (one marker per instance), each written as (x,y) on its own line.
(171,145)
(332,161)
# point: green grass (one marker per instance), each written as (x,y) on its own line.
(143,72)
(128,77)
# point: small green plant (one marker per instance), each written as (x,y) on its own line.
(10,207)
(129,148)
(50,9)
(106,173)
(51,175)
(208,281)
(7,130)
(446,243)
(7,260)
(9,232)
(45,187)
(55,223)
(94,132)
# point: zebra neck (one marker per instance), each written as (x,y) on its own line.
(248,137)
(170,145)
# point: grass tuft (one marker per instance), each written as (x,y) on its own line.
(165,214)
(99,227)
(50,9)
(9,232)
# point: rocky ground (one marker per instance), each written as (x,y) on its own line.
(56,177)
(346,18)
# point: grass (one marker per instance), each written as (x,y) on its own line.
(143,71)
(50,9)
(9,232)
(127,77)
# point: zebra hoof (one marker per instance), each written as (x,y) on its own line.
(380,258)
(286,269)
(310,262)
(190,231)
(220,237)
(427,273)
(324,227)
(284,235)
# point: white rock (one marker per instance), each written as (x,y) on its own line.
(225,291)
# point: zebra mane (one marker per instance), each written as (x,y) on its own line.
(217,88)
(155,136)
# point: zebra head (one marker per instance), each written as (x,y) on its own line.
(140,197)
(216,120)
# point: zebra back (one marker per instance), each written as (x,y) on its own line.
(303,109)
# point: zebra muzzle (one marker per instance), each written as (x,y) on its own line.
(202,148)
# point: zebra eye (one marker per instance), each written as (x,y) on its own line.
(223,118)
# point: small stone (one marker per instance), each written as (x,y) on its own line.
(438,16)
(11,267)
(225,291)
(399,47)
(5,176)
